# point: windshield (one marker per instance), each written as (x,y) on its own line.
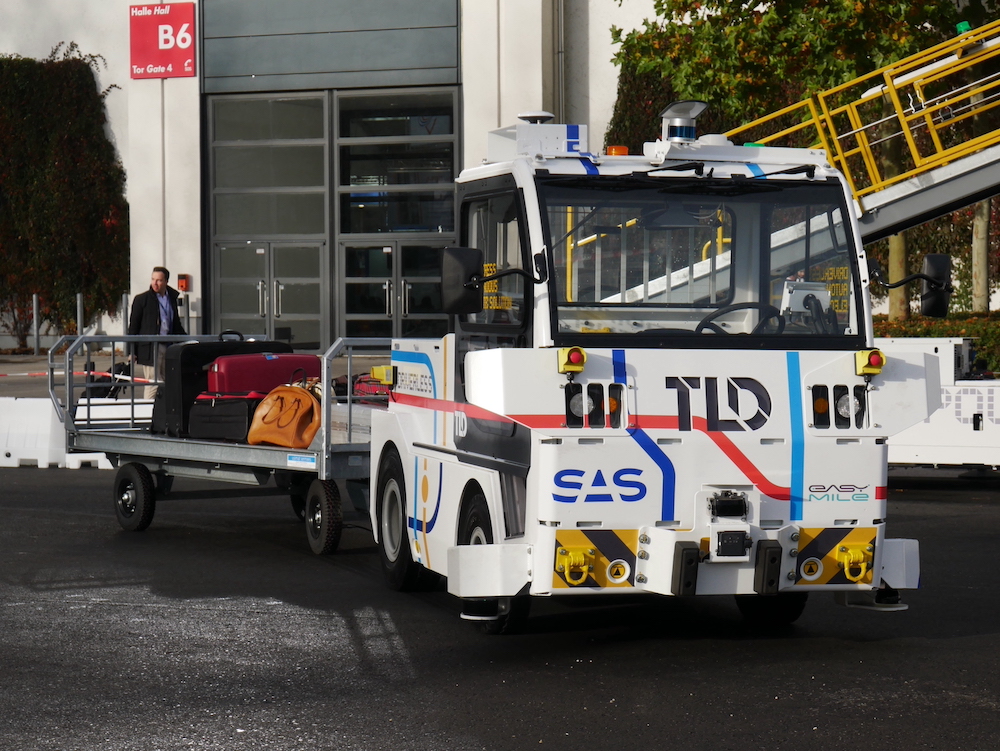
(705,256)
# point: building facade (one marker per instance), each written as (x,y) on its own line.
(303,177)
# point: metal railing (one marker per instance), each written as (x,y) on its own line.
(902,120)
(72,386)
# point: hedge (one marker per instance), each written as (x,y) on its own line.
(984,327)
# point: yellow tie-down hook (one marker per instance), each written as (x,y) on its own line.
(575,564)
(856,561)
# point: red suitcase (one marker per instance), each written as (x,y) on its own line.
(259,372)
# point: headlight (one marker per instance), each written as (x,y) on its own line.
(847,406)
(581,404)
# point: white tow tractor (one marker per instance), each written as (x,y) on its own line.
(661,378)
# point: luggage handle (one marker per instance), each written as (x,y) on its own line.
(222,336)
(297,380)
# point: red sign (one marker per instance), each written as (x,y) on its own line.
(163,40)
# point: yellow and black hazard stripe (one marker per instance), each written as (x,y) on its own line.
(609,555)
(835,556)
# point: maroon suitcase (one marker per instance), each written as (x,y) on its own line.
(259,372)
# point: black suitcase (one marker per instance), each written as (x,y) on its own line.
(186,374)
(107,386)
(223,417)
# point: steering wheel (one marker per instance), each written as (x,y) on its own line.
(767,312)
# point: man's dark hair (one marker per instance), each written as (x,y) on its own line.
(162,270)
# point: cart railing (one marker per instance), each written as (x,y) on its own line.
(81,368)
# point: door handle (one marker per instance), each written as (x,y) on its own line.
(278,287)
(387,286)
(262,298)
(406,298)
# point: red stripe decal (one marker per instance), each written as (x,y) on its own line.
(645,422)
(741,461)
(440,405)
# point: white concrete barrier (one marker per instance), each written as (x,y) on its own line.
(32,436)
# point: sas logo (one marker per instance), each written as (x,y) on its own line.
(838,493)
(593,487)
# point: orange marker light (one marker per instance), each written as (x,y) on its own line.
(617,150)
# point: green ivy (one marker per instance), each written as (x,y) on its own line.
(63,214)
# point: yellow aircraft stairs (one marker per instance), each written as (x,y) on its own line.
(916,139)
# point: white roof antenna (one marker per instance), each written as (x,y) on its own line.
(678,120)
(536,118)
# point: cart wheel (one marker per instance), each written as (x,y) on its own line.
(298,506)
(323,515)
(401,573)
(162,483)
(135,501)
(475,528)
(772,610)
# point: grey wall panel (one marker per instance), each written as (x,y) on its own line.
(329,52)
(339,80)
(262,45)
(226,18)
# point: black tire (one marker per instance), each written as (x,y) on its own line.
(297,486)
(162,484)
(401,573)
(135,500)
(324,517)
(475,528)
(772,611)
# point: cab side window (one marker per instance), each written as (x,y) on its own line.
(492,225)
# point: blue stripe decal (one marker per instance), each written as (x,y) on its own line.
(618,359)
(755,170)
(798,435)
(589,166)
(413,516)
(661,460)
(416,524)
(420,358)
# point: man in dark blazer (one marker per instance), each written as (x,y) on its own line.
(154,312)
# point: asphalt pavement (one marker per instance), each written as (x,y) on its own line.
(216,628)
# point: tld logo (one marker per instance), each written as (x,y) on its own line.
(734,386)
(625,486)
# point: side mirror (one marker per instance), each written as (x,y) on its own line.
(875,272)
(458,267)
(935,285)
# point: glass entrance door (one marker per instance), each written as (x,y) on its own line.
(273,290)
(392,288)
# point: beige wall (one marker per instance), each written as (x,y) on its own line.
(529,55)
(513,61)
(154,125)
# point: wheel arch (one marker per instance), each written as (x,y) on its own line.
(474,487)
(388,449)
